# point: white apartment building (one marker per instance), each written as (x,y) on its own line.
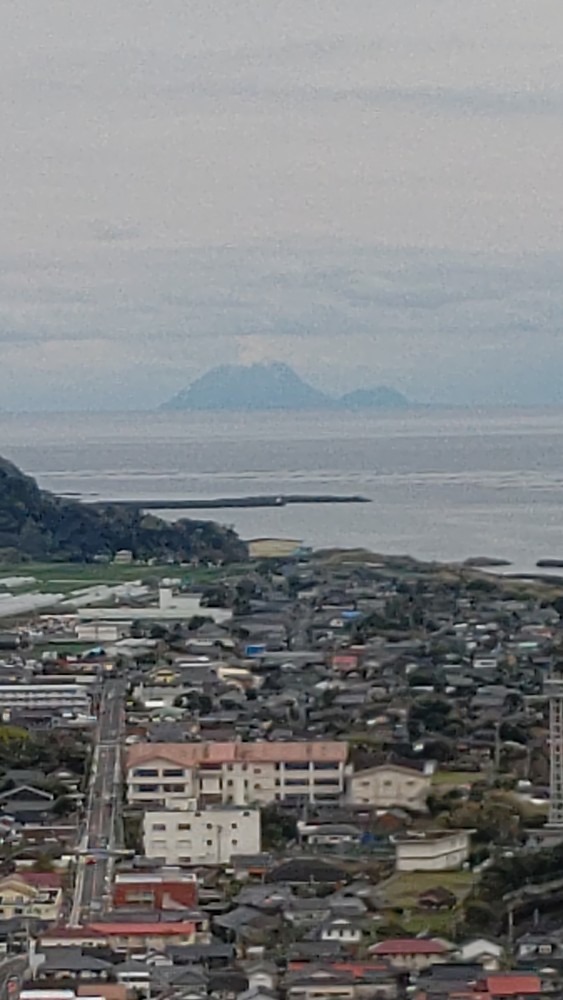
(167,775)
(201,836)
(72,697)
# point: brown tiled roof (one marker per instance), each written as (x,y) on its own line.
(260,752)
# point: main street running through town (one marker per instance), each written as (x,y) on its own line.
(101,836)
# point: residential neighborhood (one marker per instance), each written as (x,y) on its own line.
(322,775)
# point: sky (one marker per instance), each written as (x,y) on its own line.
(368,190)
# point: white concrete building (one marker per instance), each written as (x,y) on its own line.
(236,773)
(201,836)
(390,785)
(73,697)
(432,852)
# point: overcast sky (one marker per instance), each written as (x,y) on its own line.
(370,190)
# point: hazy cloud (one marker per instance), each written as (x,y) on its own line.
(368,191)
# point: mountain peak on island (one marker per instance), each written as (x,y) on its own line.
(272,386)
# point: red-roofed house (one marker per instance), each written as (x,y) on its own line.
(124,937)
(411,954)
(513,984)
(169,889)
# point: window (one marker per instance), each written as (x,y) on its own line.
(184,826)
(174,788)
(173,772)
(330,765)
(297,767)
(159,826)
(257,770)
(233,826)
(246,814)
(209,826)
(146,772)
(147,788)
(234,843)
(209,843)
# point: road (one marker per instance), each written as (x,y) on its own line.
(95,862)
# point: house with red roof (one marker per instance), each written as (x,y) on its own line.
(125,936)
(502,985)
(411,954)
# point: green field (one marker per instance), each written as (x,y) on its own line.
(456,778)
(63,578)
(404,888)
(402,892)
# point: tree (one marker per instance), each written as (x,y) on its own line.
(63,806)
(278,827)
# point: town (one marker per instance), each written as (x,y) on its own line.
(308,776)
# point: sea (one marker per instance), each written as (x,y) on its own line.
(443,484)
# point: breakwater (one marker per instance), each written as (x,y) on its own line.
(218,503)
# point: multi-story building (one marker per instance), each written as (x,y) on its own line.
(57,697)
(169,774)
(201,836)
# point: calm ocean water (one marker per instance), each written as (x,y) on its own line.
(444,484)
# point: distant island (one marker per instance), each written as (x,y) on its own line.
(273,386)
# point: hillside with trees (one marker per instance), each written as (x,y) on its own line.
(37,525)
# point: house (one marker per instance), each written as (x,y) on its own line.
(262,975)
(320,984)
(342,929)
(57,965)
(126,937)
(358,978)
(107,991)
(503,985)
(432,851)
(236,772)
(306,912)
(390,785)
(411,954)
(535,947)
(328,834)
(306,871)
(488,954)
(25,802)
(135,976)
(437,898)
(200,836)
(169,888)
(31,894)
